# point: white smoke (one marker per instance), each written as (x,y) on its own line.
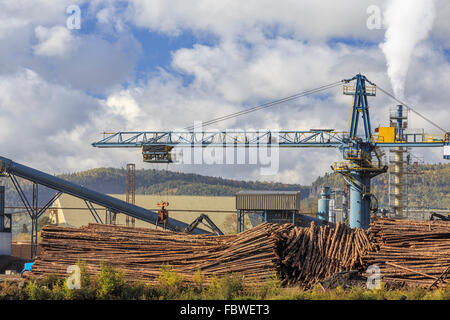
(407,22)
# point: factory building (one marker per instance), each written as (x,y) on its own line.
(269,206)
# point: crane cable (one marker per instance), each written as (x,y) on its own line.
(409,108)
(266,105)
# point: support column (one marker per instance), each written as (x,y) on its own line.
(238,221)
(34,222)
(359,201)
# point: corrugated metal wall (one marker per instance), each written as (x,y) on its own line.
(266,201)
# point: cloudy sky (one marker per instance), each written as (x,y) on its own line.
(163,64)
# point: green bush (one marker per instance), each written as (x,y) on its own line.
(272,287)
(11,291)
(227,287)
(170,283)
(35,291)
(110,282)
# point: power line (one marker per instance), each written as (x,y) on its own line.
(409,108)
(266,105)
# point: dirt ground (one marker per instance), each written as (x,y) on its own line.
(345,279)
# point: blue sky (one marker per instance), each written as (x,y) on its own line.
(160,64)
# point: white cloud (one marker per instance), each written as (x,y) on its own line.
(122,103)
(248,19)
(261,51)
(37,112)
(57,41)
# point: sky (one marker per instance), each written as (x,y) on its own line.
(163,64)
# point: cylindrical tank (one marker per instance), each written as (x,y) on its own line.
(344,206)
(323,205)
(332,215)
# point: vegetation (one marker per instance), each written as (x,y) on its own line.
(431,189)
(429,185)
(151,181)
(110,284)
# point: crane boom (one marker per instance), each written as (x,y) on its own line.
(284,139)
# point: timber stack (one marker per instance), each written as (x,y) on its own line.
(416,253)
(300,256)
(309,255)
(140,253)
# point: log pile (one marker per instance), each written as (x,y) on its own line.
(416,253)
(299,255)
(309,255)
(140,252)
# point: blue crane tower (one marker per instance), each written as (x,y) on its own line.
(361,153)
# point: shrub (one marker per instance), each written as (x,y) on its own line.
(227,287)
(138,291)
(170,283)
(198,281)
(35,291)
(110,282)
(10,290)
(271,287)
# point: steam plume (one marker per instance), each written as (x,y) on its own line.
(407,22)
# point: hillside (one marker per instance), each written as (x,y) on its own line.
(428,190)
(151,181)
(432,189)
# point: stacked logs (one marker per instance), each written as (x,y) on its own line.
(309,255)
(299,255)
(140,253)
(416,253)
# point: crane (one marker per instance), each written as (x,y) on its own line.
(361,153)
(210,224)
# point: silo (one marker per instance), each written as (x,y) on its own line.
(323,205)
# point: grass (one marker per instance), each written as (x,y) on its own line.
(110,284)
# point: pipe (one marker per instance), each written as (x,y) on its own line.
(114,204)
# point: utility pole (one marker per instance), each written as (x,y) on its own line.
(130,193)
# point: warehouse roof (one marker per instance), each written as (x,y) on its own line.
(265,192)
(268,200)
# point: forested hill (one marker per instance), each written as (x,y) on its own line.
(431,189)
(429,186)
(150,181)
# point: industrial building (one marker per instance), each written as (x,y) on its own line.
(271,206)
(72,212)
